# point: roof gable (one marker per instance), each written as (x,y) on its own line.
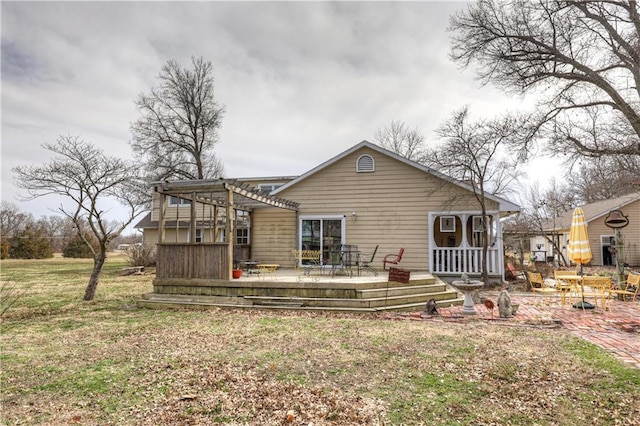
(505,206)
(597,210)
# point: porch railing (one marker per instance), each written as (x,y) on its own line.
(200,260)
(455,261)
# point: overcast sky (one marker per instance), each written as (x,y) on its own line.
(301,82)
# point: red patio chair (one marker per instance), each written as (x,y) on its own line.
(393,259)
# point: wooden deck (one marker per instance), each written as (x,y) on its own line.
(292,289)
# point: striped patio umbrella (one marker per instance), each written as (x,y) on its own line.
(579,250)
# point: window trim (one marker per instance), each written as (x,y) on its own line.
(272,186)
(360,169)
(477,220)
(451,228)
(175,201)
(247,237)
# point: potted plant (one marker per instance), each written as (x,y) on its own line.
(236,273)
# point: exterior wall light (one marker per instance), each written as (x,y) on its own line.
(617,220)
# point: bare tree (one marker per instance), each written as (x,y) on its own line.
(58,229)
(603,178)
(178,127)
(474,152)
(12,220)
(582,57)
(518,231)
(12,223)
(90,179)
(406,142)
(543,208)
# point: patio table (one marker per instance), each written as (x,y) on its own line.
(347,256)
(251,266)
(580,280)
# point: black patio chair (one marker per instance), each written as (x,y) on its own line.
(366,264)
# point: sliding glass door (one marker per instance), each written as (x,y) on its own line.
(321,233)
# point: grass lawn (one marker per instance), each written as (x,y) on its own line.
(65,361)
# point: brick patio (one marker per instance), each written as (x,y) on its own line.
(616,330)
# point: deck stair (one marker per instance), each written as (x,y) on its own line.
(335,294)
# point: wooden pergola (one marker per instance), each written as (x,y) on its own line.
(206,260)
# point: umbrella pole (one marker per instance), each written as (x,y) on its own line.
(582,285)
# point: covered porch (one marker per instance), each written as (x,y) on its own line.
(456,244)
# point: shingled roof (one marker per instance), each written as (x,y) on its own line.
(593,211)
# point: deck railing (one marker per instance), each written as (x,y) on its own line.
(186,260)
(455,261)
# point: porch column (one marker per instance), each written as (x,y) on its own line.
(467,261)
(500,243)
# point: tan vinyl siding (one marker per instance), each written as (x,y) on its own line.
(182,212)
(273,236)
(170,234)
(391,204)
(631,235)
(150,237)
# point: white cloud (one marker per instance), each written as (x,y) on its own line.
(301,82)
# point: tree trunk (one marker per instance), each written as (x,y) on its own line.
(485,251)
(90,292)
(485,244)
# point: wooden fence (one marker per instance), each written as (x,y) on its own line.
(186,260)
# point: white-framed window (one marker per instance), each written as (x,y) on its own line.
(176,201)
(243,219)
(242,236)
(269,187)
(198,235)
(365,164)
(478,224)
(447,224)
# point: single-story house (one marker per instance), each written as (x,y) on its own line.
(365,196)
(601,237)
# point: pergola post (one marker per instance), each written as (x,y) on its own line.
(193,223)
(162,217)
(230,230)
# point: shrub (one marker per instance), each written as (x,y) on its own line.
(140,255)
(30,244)
(77,249)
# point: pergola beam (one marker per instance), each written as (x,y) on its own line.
(247,198)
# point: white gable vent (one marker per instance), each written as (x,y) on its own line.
(365,163)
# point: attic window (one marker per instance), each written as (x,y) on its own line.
(365,163)
(268,187)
